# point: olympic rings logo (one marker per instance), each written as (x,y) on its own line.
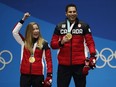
(101,56)
(3,61)
(106,60)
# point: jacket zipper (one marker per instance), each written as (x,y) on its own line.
(30,68)
(71,53)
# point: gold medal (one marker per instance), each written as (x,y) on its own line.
(69,35)
(31,59)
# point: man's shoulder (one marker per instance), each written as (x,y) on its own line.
(83,23)
(61,22)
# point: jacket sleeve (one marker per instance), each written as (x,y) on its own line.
(48,57)
(18,37)
(90,41)
(56,39)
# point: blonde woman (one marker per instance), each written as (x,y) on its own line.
(33,47)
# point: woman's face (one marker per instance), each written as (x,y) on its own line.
(35,33)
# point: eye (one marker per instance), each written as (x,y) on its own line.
(74,11)
(35,28)
(70,11)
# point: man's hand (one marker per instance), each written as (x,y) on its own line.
(65,39)
(92,62)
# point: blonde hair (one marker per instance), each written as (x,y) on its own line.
(29,38)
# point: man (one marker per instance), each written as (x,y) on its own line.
(70,37)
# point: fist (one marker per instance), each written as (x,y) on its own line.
(26,15)
(48,82)
(92,62)
(86,70)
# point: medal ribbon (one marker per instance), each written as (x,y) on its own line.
(69,27)
(34,47)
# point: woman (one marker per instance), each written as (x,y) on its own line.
(33,47)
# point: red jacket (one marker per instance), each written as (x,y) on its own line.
(73,52)
(36,68)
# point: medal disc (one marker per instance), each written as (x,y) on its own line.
(31,59)
(69,35)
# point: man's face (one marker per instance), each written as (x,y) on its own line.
(71,13)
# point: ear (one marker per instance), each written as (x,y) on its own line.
(77,14)
(65,13)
